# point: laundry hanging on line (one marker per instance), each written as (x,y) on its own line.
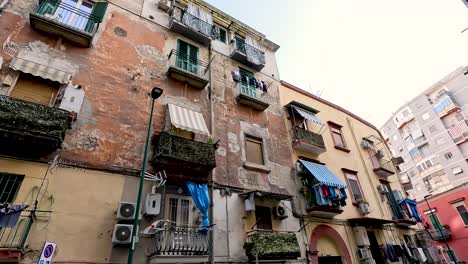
(10,214)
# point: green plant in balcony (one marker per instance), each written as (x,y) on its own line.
(32,119)
(185,150)
(272,246)
(311,137)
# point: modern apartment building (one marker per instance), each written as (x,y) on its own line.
(430,133)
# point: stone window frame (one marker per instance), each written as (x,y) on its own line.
(259,133)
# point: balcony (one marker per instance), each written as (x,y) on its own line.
(178,244)
(69,22)
(459,132)
(188,70)
(30,130)
(247,54)
(269,245)
(13,240)
(190,26)
(307,141)
(441,234)
(185,155)
(445,105)
(382,167)
(251,96)
(324,211)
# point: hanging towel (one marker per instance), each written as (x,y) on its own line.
(392,256)
(264,86)
(199,193)
(320,198)
(9,215)
(421,254)
(331,190)
(325,191)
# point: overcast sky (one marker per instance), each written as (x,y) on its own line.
(369,56)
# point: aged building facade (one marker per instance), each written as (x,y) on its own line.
(336,149)
(226,178)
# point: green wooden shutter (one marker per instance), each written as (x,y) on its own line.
(48,7)
(182,54)
(97,15)
(435,222)
(193,58)
(99,11)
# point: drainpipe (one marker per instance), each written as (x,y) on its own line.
(210,182)
(3,4)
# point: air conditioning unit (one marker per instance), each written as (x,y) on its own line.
(363,208)
(382,188)
(299,168)
(122,234)
(126,211)
(360,234)
(365,144)
(380,154)
(153,204)
(363,253)
(280,212)
(164,5)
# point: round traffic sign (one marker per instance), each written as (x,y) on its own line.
(48,250)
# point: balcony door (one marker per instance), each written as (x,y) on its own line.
(74,13)
(187,58)
(247,85)
(182,213)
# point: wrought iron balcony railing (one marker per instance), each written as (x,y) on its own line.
(247,54)
(172,240)
(250,95)
(191,26)
(307,140)
(441,234)
(15,238)
(187,69)
(382,167)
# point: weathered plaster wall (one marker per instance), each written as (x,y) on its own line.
(81,210)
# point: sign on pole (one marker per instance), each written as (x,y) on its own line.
(47,253)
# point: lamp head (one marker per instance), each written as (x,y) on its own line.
(156,93)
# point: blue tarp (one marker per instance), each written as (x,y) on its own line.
(323,174)
(414,210)
(201,198)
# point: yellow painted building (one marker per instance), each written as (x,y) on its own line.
(324,134)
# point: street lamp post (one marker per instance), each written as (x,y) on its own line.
(155,94)
(440,230)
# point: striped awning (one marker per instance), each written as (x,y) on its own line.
(308,115)
(40,70)
(188,120)
(323,174)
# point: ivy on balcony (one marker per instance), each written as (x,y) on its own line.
(268,245)
(308,136)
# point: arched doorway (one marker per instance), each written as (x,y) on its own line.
(325,234)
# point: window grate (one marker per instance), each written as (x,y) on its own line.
(9,186)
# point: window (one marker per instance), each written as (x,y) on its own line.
(425,165)
(75,13)
(10,185)
(434,220)
(426,116)
(221,34)
(182,211)
(187,58)
(263,217)
(35,89)
(425,151)
(427,182)
(354,186)
(448,155)
(411,173)
(254,150)
(461,209)
(337,135)
(457,170)
(440,141)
